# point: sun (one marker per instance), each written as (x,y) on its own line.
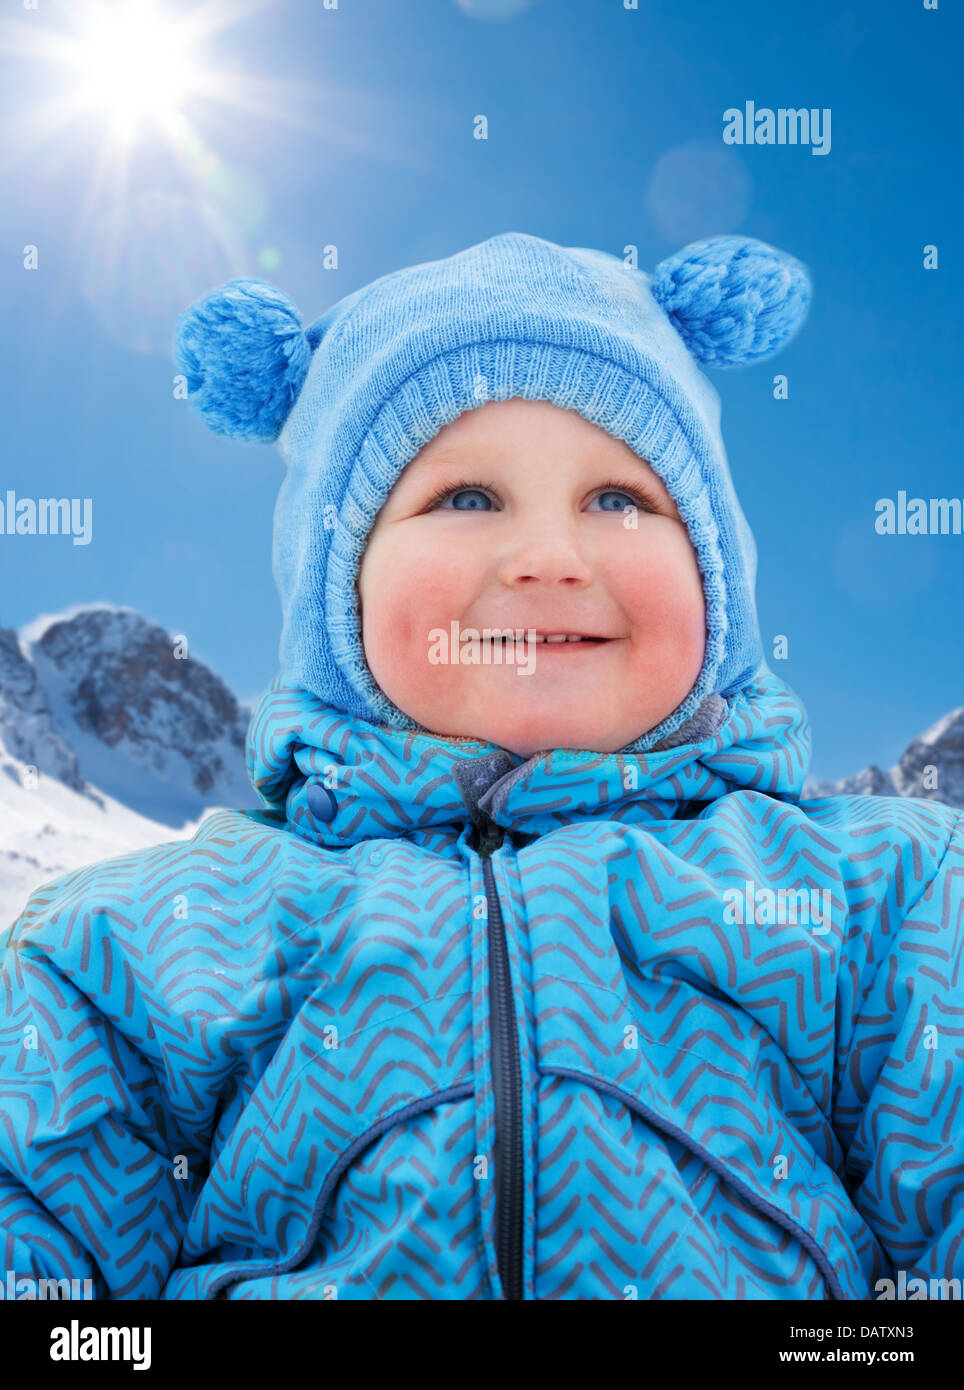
(142,68)
(136,64)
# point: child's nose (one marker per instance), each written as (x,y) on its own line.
(549,554)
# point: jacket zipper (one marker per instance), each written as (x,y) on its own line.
(506,1078)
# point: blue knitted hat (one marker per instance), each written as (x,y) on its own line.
(354,397)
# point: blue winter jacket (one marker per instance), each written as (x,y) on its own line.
(441,1022)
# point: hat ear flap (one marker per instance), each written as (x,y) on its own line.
(245,355)
(732,299)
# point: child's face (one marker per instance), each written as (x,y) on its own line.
(544,546)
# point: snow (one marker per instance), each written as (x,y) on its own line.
(47,829)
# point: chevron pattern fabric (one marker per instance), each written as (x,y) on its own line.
(257,1064)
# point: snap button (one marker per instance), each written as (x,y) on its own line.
(321,803)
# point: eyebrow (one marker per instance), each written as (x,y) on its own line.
(438,460)
(472,455)
(445,457)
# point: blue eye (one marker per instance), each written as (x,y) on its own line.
(446,494)
(473,494)
(633,500)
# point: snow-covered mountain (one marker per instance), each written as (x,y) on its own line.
(156,730)
(112,738)
(932,767)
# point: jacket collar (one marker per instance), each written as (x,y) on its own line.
(338,780)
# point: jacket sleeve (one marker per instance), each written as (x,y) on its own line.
(899,1096)
(98,1169)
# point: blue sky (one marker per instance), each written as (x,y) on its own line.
(605,129)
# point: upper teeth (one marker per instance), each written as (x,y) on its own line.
(556,637)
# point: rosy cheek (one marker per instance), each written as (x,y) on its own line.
(415,595)
(663,598)
(662,581)
(433,591)
(395,640)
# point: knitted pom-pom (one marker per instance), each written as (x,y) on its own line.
(245,355)
(732,299)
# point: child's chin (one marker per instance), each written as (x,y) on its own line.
(546,735)
(533,721)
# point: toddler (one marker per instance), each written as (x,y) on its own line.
(513,986)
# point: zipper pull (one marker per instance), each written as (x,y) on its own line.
(474,777)
(490,835)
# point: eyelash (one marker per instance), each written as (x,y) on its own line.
(614,485)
